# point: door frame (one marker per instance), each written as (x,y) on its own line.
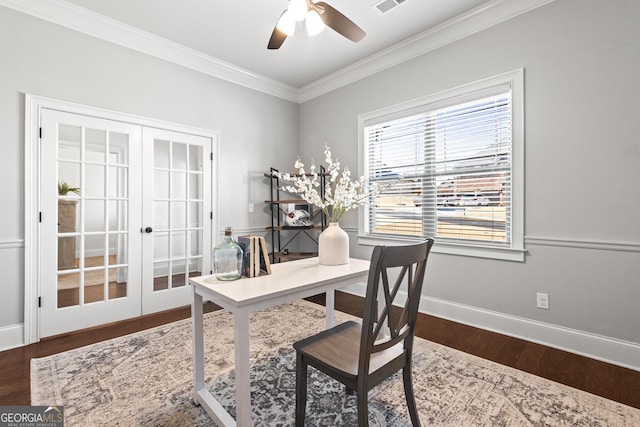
(34,105)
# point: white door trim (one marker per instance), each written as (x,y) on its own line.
(33,108)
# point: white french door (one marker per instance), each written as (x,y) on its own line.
(123,221)
(176,226)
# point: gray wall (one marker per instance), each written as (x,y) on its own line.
(44,59)
(582,196)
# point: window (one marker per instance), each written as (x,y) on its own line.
(450,166)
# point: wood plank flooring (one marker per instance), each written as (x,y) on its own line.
(610,381)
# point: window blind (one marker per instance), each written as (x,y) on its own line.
(445,172)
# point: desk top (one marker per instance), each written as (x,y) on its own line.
(286,278)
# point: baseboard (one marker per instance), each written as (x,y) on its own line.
(606,349)
(11,336)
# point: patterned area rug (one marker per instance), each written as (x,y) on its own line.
(146,379)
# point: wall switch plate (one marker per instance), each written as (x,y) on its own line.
(251,207)
(542,301)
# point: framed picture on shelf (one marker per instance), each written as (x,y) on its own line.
(296,215)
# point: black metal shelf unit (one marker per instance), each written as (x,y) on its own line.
(282,235)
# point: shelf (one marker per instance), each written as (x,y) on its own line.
(286,237)
(269,175)
(287,201)
(286,227)
(291,256)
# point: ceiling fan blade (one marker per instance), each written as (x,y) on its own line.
(337,21)
(277,37)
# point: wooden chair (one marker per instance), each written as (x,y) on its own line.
(361,356)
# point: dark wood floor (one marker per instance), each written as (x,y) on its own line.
(610,381)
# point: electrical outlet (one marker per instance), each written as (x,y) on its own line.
(251,207)
(542,301)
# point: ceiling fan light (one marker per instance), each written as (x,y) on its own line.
(286,23)
(314,23)
(298,9)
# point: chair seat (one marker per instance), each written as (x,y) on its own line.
(339,347)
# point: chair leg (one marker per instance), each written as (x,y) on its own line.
(408,392)
(301,389)
(363,409)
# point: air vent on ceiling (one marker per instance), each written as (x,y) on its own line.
(385,6)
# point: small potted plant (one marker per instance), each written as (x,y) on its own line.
(66,224)
(64,189)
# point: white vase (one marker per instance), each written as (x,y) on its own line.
(333,245)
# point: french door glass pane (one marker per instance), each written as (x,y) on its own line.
(118,218)
(160,215)
(117,249)
(117,282)
(178,245)
(195,186)
(96,145)
(195,158)
(94,180)
(94,217)
(161,279)
(69,142)
(179,186)
(119,148)
(161,185)
(68,289)
(178,214)
(160,245)
(118,179)
(179,156)
(94,285)
(69,173)
(195,242)
(195,267)
(94,250)
(195,216)
(161,154)
(178,278)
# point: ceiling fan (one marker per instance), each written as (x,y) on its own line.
(316,16)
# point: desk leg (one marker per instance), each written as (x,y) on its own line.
(329,307)
(198,344)
(243,380)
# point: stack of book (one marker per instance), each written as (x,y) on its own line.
(256,257)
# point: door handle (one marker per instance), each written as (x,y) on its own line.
(147,230)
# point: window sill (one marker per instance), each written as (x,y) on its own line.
(478,251)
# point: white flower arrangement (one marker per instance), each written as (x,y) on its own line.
(341,194)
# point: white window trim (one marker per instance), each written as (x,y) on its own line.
(515,79)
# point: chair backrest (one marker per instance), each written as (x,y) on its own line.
(383,328)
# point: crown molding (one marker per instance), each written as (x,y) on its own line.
(485,16)
(85,21)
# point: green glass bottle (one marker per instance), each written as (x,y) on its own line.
(227,258)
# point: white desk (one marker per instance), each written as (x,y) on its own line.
(289,281)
